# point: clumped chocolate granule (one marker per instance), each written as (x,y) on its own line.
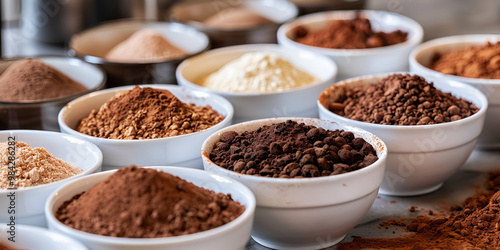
(355,33)
(146,203)
(399,99)
(290,149)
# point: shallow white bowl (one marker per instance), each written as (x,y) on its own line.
(29,200)
(309,213)
(355,62)
(182,150)
(421,58)
(233,235)
(265,105)
(30,237)
(421,157)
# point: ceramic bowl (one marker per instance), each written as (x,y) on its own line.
(194,12)
(92,45)
(43,114)
(421,157)
(250,106)
(355,62)
(182,150)
(313,6)
(233,235)
(292,213)
(30,237)
(29,201)
(421,59)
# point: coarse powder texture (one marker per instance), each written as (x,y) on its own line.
(348,34)
(475,227)
(34,166)
(292,150)
(258,72)
(145,203)
(474,62)
(147,113)
(399,99)
(144,46)
(235,19)
(32,80)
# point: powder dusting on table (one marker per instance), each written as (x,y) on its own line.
(34,166)
(32,80)
(145,45)
(258,72)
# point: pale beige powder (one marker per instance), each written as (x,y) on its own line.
(34,166)
(144,46)
(258,72)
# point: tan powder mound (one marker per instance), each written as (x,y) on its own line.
(34,166)
(144,46)
(235,18)
(32,80)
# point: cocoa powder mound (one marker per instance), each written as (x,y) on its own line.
(32,80)
(355,33)
(292,150)
(399,99)
(476,227)
(146,203)
(474,62)
(147,113)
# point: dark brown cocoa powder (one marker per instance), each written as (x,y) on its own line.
(476,226)
(399,99)
(290,149)
(145,203)
(355,33)
(147,113)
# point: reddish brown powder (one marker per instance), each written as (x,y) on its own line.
(145,203)
(33,80)
(147,113)
(348,34)
(475,62)
(398,99)
(476,227)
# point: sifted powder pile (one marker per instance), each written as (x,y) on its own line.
(235,18)
(475,62)
(258,72)
(147,113)
(146,203)
(34,166)
(32,80)
(144,46)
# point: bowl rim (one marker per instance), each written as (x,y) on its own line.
(471,39)
(38,230)
(327,16)
(381,150)
(481,99)
(203,28)
(246,48)
(62,98)
(238,187)
(103,61)
(55,183)
(211,96)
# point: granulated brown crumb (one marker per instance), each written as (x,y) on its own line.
(34,166)
(412,208)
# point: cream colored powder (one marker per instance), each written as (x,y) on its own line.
(144,46)
(258,72)
(34,166)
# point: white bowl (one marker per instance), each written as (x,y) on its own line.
(30,237)
(421,157)
(308,213)
(182,150)
(29,200)
(355,62)
(233,235)
(262,105)
(421,58)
